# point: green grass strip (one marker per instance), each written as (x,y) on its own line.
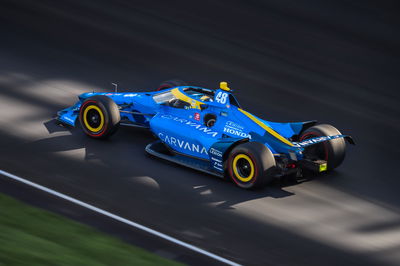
(32,236)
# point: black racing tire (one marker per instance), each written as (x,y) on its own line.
(171,84)
(99,117)
(251,165)
(332,151)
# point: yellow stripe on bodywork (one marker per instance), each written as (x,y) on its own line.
(181,96)
(268,129)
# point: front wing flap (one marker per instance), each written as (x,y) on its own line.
(69,115)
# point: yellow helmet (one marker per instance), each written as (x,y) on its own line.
(205,98)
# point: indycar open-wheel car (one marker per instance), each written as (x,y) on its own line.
(206,129)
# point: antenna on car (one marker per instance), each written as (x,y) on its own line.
(116,86)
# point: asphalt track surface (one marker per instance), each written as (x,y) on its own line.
(334,61)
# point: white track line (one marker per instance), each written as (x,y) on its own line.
(120,219)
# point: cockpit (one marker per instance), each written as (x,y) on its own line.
(189,97)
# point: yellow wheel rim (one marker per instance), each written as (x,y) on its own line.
(86,122)
(236,171)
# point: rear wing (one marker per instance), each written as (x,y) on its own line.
(312,141)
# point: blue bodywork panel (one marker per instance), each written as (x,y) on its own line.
(176,116)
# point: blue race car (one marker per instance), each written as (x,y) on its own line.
(206,129)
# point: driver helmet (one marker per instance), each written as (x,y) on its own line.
(206,98)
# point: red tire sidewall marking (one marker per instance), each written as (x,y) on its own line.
(232,174)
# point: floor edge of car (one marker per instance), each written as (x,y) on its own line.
(156,150)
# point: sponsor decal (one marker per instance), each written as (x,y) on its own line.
(130,95)
(218,165)
(220,169)
(68,119)
(108,94)
(197,126)
(316,140)
(197,116)
(236,132)
(235,129)
(183,144)
(234,125)
(216,160)
(216,152)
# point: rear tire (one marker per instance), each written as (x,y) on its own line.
(332,151)
(171,84)
(251,165)
(99,117)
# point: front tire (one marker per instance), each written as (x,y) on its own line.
(251,165)
(332,151)
(99,117)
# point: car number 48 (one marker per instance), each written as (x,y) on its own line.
(221,97)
